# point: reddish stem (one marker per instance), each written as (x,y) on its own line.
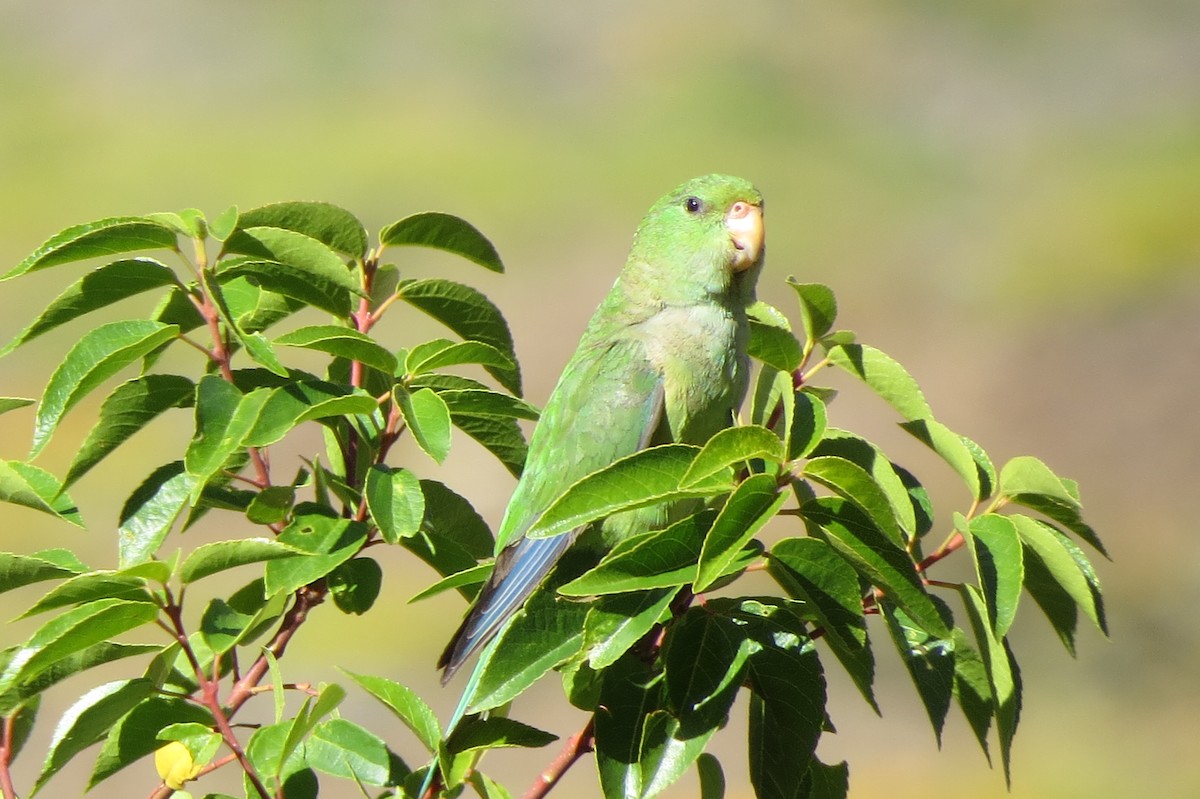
(576,747)
(6,743)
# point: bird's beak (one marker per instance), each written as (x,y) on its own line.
(744,221)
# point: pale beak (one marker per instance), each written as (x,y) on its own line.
(744,222)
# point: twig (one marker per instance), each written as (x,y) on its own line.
(577,746)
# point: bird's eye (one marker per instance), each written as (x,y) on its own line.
(693,205)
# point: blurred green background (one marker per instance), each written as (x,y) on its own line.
(1004,195)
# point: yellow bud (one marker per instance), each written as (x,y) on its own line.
(175,765)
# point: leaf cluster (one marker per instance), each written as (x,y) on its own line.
(653,640)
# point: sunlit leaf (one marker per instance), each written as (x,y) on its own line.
(443,232)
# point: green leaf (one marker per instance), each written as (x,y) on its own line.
(129,408)
(647,477)
(808,569)
(405,704)
(818,309)
(1005,689)
(809,421)
(712,778)
(20,570)
(225,223)
(486,787)
(344,749)
(773,346)
(224,418)
(218,556)
(91,586)
(973,690)
(482,402)
(88,720)
(271,505)
(103,287)
(334,227)
(441,353)
(341,341)
(443,232)
(301,401)
(751,505)
(188,222)
(428,418)
(151,510)
(474,576)
(826,782)
(496,732)
(13,403)
(98,355)
(962,454)
(21,725)
(851,481)
(304,287)
(355,585)
(32,487)
(469,314)
(1028,475)
(996,550)
(730,447)
(884,376)
(104,237)
(615,623)
(87,658)
(658,559)
(629,695)
(875,556)
(1065,563)
(882,471)
(704,667)
(303,253)
(71,632)
(929,660)
(396,502)
(136,734)
(283,772)
(1062,513)
(327,542)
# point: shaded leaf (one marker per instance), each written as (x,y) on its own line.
(334,227)
(996,550)
(70,665)
(884,376)
(20,570)
(730,447)
(1005,692)
(302,252)
(751,505)
(929,660)
(616,623)
(136,734)
(851,481)
(326,542)
(355,585)
(150,512)
(304,287)
(1065,563)
(818,309)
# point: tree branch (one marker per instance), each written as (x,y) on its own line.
(578,745)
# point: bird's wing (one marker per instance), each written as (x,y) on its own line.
(608,404)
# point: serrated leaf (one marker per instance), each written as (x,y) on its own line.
(1065,563)
(882,471)
(33,487)
(809,420)
(469,314)
(334,227)
(73,631)
(405,704)
(355,585)
(428,418)
(441,353)
(647,477)
(344,342)
(443,232)
(496,732)
(326,542)
(850,481)
(751,505)
(1028,475)
(773,346)
(89,587)
(875,556)
(344,749)
(818,309)
(150,512)
(808,569)
(271,505)
(658,559)
(305,287)
(1005,690)
(88,720)
(224,417)
(616,623)
(826,782)
(20,570)
(301,401)
(102,287)
(297,250)
(885,376)
(929,661)
(996,550)
(129,408)
(396,502)
(482,402)
(730,447)
(963,455)
(87,658)
(103,237)
(98,355)
(218,556)
(704,666)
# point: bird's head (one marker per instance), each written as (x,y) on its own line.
(705,238)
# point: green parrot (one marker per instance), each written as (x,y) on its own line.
(662,360)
